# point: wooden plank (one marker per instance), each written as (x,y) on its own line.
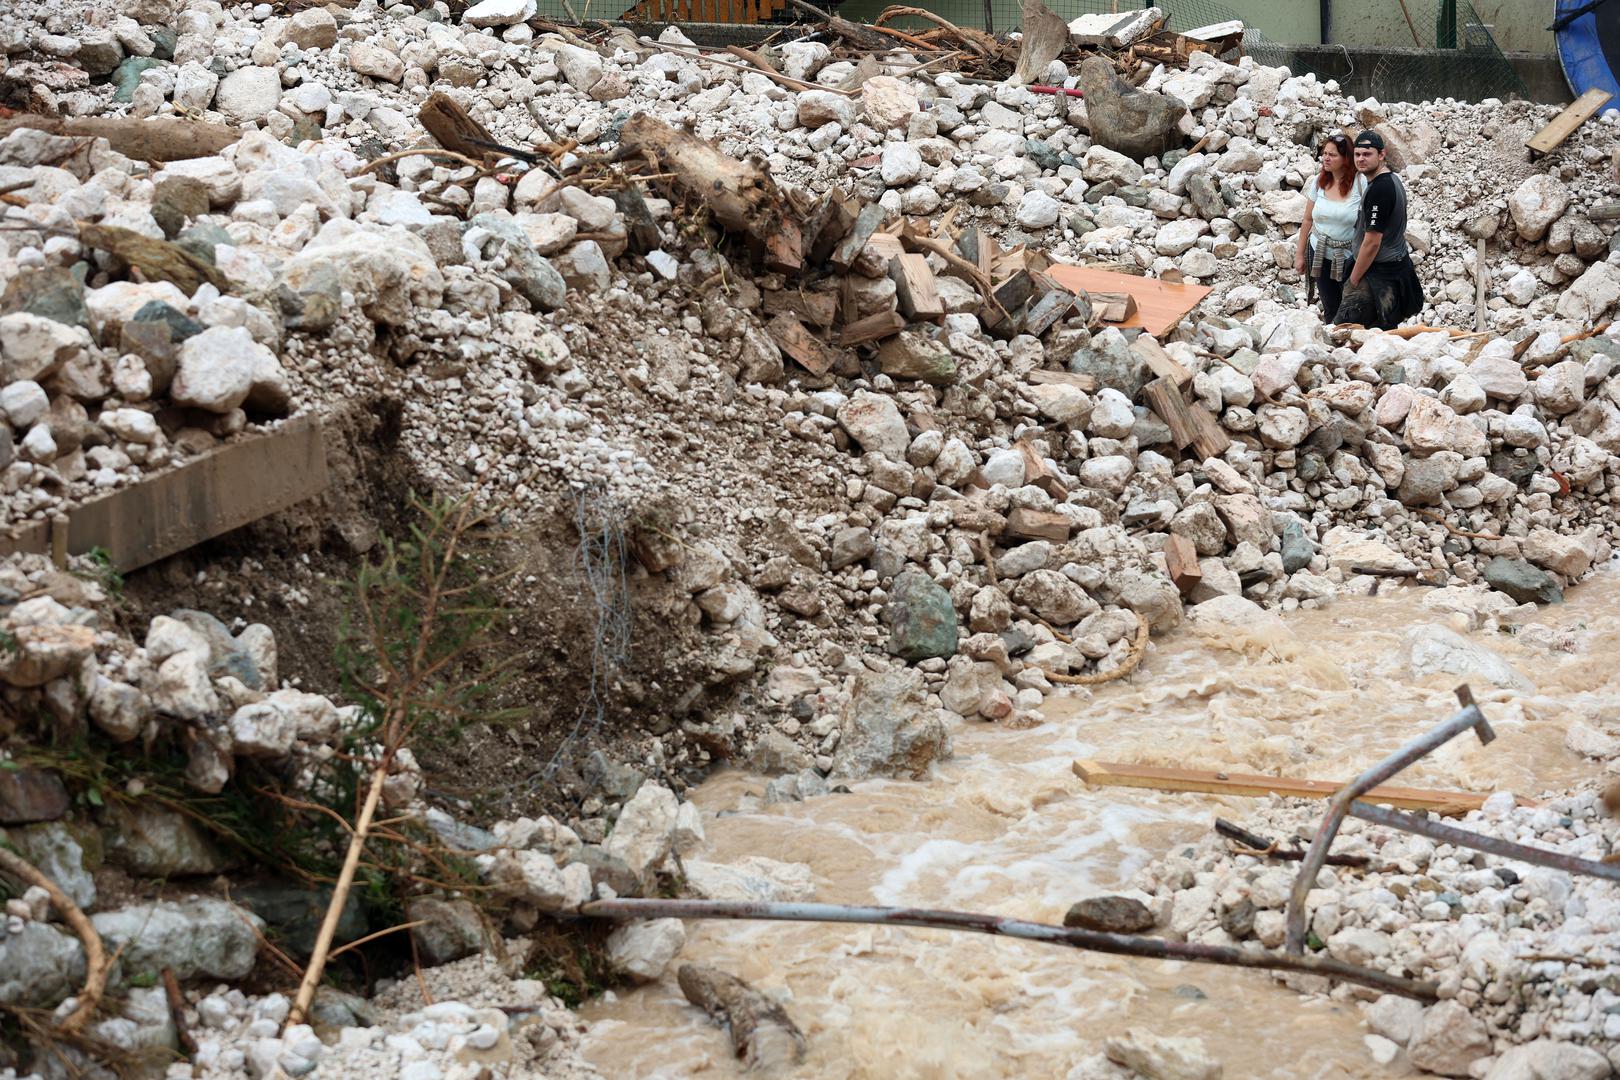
(799,345)
(1161,363)
(1078,380)
(818,308)
(1027,524)
(784,248)
(1159,305)
(1046,311)
(1113,307)
(837,218)
(1116,774)
(204,498)
(1190,425)
(850,247)
(887,245)
(1037,473)
(1181,563)
(1564,124)
(915,289)
(1016,291)
(872,328)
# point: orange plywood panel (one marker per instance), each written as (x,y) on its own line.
(1159,304)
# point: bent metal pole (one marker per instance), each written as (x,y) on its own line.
(1339,805)
(1074,938)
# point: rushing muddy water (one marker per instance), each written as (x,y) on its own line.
(1006,827)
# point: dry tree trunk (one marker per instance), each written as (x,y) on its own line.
(157,139)
(762,1034)
(740,194)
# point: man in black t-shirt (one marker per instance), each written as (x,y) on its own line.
(1383,287)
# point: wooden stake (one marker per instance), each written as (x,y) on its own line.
(1479,286)
(1115,774)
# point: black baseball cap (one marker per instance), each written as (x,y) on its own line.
(1370,138)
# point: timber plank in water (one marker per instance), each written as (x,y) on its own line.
(221,490)
(1116,774)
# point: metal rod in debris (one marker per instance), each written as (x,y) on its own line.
(1091,940)
(1339,805)
(1450,834)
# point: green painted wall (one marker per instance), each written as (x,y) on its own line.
(1280,20)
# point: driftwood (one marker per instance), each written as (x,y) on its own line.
(157,139)
(157,260)
(762,1033)
(95,956)
(1045,37)
(741,195)
(453,129)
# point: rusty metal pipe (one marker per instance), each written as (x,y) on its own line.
(1090,940)
(1450,834)
(1339,805)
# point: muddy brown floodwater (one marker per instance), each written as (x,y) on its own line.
(1006,827)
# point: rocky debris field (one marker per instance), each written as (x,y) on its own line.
(955,522)
(1521,955)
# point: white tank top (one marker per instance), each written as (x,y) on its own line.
(1335,219)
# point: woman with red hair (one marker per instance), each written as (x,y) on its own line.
(1332,204)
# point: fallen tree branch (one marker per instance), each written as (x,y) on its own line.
(96,965)
(177,1013)
(1000,926)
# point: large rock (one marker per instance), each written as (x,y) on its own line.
(1546,1059)
(1432,649)
(887,101)
(1590,295)
(1157,1057)
(33,347)
(752,878)
(156,842)
(888,728)
(641,950)
(1054,597)
(1537,203)
(488,13)
(1110,914)
(1450,1040)
(874,421)
(1139,123)
(29,795)
(389,271)
(1523,582)
(221,369)
(451,929)
(643,836)
(248,93)
(201,938)
(53,848)
(922,622)
(39,965)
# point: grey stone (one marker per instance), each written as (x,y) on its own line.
(52,847)
(609,870)
(614,779)
(39,965)
(452,929)
(1206,195)
(1139,123)
(922,622)
(1297,549)
(1526,584)
(204,937)
(294,913)
(153,841)
(52,292)
(127,76)
(527,270)
(28,795)
(1113,363)
(1110,914)
(850,546)
(888,728)
(774,754)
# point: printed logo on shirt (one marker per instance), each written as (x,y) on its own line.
(1372,217)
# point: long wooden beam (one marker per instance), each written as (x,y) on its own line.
(1116,774)
(204,498)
